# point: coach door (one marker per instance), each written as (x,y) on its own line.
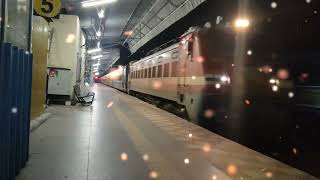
(183,61)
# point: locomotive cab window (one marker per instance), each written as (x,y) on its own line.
(190,48)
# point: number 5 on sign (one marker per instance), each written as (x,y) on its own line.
(47,8)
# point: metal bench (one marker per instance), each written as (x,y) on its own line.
(84,100)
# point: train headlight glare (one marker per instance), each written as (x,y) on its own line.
(225,79)
(242,23)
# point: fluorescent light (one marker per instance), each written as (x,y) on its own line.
(99,33)
(97,57)
(101,14)
(96,3)
(94,50)
(97,64)
(97,73)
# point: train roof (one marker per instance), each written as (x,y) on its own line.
(174,46)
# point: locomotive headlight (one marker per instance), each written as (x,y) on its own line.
(225,79)
(242,23)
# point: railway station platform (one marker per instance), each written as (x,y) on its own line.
(120,137)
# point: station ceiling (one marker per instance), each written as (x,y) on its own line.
(130,23)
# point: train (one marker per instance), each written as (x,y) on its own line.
(202,75)
(250,74)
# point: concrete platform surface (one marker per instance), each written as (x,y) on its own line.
(123,138)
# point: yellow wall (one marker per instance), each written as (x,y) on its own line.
(40,37)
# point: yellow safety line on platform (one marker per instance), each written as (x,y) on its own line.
(156,162)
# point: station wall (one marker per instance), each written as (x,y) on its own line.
(65,46)
(40,38)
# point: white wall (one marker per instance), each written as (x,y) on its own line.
(65,45)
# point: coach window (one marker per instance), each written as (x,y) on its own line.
(174,67)
(149,73)
(145,73)
(166,70)
(154,71)
(159,75)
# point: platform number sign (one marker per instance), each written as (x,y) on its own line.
(47,8)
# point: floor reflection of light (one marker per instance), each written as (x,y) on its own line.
(232,170)
(124,157)
(187,161)
(269,174)
(206,148)
(153,175)
(145,157)
(110,104)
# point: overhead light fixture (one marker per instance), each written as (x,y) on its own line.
(96,3)
(128,33)
(101,14)
(97,57)
(99,33)
(97,73)
(97,64)
(94,50)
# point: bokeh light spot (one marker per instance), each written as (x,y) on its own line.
(187,161)
(291,94)
(124,157)
(153,175)
(209,113)
(206,147)
(14,110)
(247,102)
(110,104)
(274,5)
(269,174)
(145,157)
(283,74)
(232,170)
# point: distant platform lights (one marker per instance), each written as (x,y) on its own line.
(97,57)
(94,3)
(91,51)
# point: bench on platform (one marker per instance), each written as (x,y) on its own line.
(84,100)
